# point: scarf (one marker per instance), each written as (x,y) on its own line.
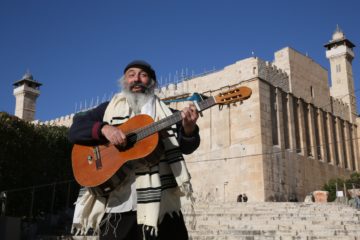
(158,188)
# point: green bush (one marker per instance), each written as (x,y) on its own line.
(330,186)
(32,155)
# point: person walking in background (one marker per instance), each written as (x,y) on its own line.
(245,198)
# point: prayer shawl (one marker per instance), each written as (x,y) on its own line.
(158,187)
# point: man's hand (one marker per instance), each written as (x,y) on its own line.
(190,116)
(114,135)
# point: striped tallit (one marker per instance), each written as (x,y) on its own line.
(158,187)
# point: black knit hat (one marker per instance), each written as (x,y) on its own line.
(142,65)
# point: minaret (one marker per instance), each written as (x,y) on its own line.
(340,54)
(26,92)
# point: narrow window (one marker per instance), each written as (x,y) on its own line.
(307,128)
(297,127)
(351,144)
(343,143)
(312,91)
(338,68)
(285,119)
(274,122)
(317,134)
(335,140)
(326,135)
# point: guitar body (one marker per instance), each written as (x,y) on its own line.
(99,167)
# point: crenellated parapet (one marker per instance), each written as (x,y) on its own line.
(340,108)
(173,89)
(60,121)
(274,75)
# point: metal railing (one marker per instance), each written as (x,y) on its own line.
(45,209)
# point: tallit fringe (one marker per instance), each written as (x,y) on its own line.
(108,224)
(186,189)
(89,211)
(149,231)
(81,230)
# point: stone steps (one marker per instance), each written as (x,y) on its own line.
(284,232)
(251,237)
(315,219)
(272,221)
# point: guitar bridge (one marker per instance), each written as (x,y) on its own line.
(97,158)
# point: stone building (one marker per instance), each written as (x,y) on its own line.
(287,140)
(294,133)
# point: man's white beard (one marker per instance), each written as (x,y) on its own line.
(137,100)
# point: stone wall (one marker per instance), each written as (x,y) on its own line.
(307,78)
(228,160)
(303,159)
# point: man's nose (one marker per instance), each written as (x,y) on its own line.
(137,78)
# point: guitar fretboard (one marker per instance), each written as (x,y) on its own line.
(166,122)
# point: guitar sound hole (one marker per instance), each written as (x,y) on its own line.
(131,139)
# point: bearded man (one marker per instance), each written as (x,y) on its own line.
(146,205)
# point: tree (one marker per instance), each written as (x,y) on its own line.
(31,155)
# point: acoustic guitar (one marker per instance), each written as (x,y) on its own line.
(99,167)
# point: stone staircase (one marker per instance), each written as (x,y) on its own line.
(272,221)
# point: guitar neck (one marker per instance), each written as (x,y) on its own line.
(169,121)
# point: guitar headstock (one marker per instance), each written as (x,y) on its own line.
(233,95)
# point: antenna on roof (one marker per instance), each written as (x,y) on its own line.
(169,80)
(160,82)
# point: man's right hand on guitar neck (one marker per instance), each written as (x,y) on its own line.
(114,135)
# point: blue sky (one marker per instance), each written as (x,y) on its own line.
(77,49)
